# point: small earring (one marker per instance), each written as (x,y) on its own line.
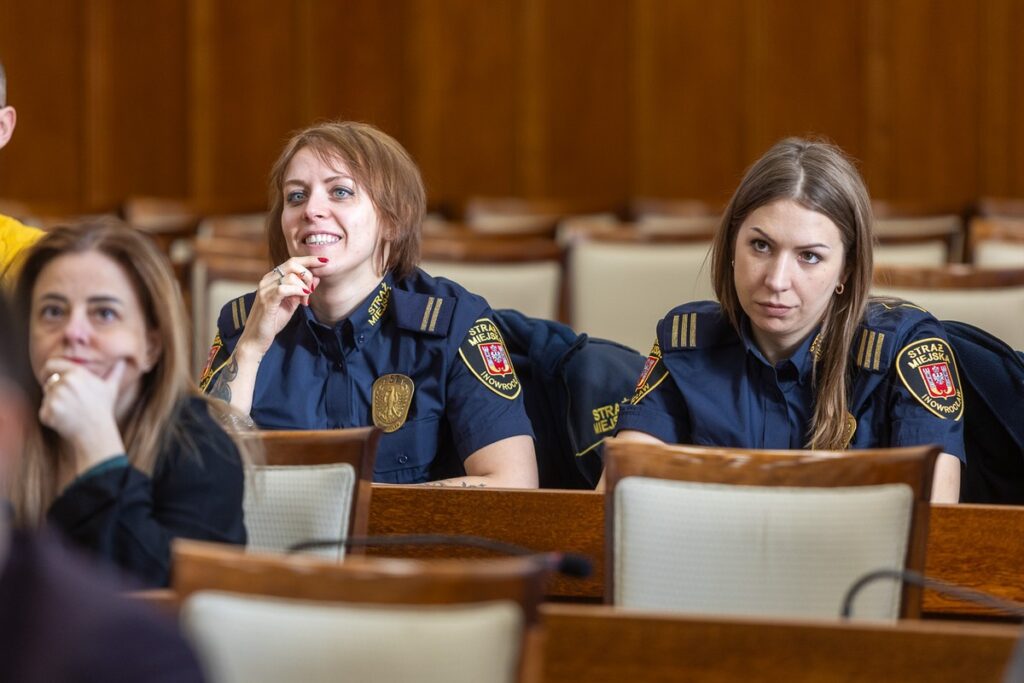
(840,288)
(733,263)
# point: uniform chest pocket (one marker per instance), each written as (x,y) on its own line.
(404,456)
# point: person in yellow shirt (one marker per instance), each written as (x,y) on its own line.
(14,236)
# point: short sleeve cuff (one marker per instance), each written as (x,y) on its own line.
(922,432)
(491,430)
(643,419)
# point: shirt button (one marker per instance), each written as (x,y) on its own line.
(362,338)
(402,459)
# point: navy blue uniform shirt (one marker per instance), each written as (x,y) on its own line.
(706,384)
(421,358)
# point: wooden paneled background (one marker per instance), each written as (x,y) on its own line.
(591,99)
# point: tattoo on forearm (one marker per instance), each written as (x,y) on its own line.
(221,388)
(447,484)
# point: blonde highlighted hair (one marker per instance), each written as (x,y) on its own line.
(819,177)
(162,391)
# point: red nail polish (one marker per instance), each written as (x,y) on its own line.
(322,259)
(305,291)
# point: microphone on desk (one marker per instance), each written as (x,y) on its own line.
(568,564)
(1014,670)
(942,587)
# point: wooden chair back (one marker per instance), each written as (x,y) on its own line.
(914,233)
(354,447)
(375,582)
(912,467)
(996,242)
(675,216)
(223,268)
(989,298)
(523,216)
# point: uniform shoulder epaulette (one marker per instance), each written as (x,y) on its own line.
(429,314)
(878,337)
(695,325)
(233,315)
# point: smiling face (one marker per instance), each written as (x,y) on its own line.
(85,310)
(788,262)
(326,213)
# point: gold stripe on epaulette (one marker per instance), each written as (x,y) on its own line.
(860,349)
(878,350)
(433,318)
(684,331)
(872,337)
(243,314)
(234,313)
(426,314)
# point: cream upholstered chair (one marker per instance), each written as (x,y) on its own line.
(523,273)
(989,298)
(523,216)
(915,234)
(622,282)
(260,618)
(675,216)
(230,256)
(996,242)
(313,485)
(768,533)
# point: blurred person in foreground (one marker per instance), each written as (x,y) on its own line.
(60,620)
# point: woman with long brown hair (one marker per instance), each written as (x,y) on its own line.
(794,354)
(125,454)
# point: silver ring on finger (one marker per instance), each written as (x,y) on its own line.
(280,273)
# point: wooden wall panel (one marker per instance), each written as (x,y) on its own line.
(597,100)
(933,95)
(245,96)
(1001,171)
(688,115)
(41,46)
(463,96)
(353,56)
(136,114)
(578,119)
(803,73)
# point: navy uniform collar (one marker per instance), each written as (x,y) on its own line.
(802,361)
(364,321)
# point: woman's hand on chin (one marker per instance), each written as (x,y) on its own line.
(81,407)
(280,292)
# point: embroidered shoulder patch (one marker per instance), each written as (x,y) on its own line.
(208,371)
(654,373)
(484,353)
(928,371)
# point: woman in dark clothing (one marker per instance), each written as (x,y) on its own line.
(125,455)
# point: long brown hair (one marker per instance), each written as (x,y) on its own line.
(162,390)
(381,166)
(819,177)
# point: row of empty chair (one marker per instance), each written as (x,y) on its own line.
(742,543)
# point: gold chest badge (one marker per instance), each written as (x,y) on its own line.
(392,396)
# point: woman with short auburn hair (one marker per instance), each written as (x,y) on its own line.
(795,354)
(345,331)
